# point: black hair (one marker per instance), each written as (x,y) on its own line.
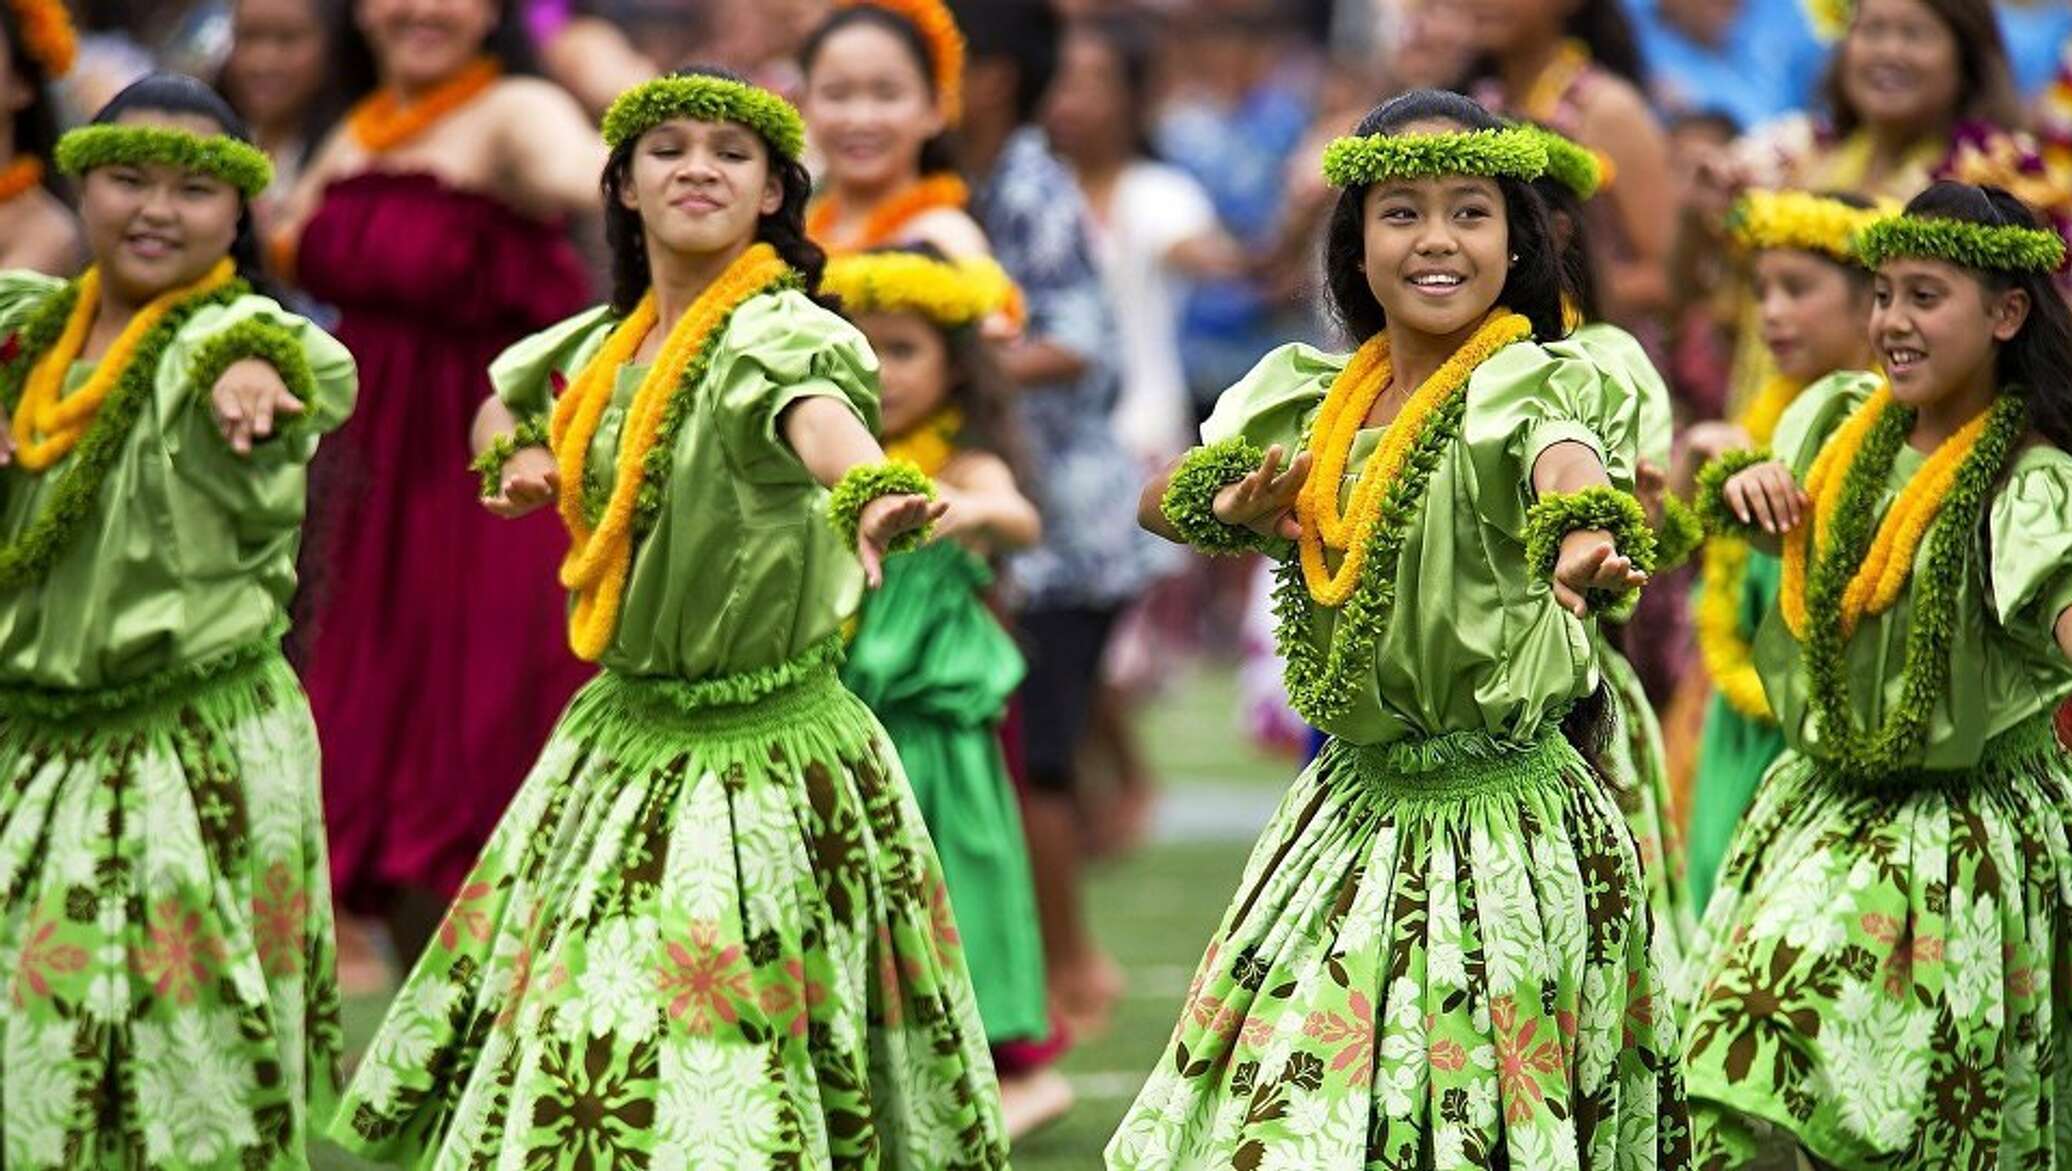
(1985,90)
(177,93)
(938,154)
(783,229)
(1534,286)
(35,125)
(356,74)
(1578,260)
(1024,31)
(981,388)
(2037,361)
(1130,39)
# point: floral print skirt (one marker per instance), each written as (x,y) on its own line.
(1639,768)
(166,938)
(702,936)
(1884,975)
(1439,956)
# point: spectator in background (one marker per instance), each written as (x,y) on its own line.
(37,230)
(2034,31)
(1752,60)
(1236,113)
(276,77)
(1093,561)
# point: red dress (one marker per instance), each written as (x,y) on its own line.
(437,655)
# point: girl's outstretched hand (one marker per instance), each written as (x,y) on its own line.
(1590,561)
(1265,500)
(885,519)
(531,481)
(1766,495)
(247,399)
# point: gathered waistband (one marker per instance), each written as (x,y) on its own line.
(1456,765)
(174,684)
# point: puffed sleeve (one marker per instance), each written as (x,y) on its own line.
(2030,525)
(1814,415)
(1621,359)
(780,350)
(1527,399)
(523,376)
(1274,403)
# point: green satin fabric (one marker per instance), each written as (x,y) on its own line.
(1474,641)
(1619,356)
(742,570)
(190,550)
(2005,664)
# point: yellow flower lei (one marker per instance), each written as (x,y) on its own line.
(949,293)
(1728,657)
(1802,221)
(931,443)
(600,558)
(1352,396)
(48,424)
(1879,580)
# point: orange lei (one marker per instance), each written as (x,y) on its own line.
(1352,395)
(47,423)
(600,558)
(882,225)
(20,176)
(381,123)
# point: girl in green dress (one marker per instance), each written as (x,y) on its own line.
(1813,302)
(1440,953)
(1884,964)
(929,657)
(166,924)
(710,931)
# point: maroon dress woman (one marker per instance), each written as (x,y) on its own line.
(437,659)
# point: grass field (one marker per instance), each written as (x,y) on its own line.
(1154,911)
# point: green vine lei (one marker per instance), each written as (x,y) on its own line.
(531,431)
(1710,502)
(1189,503)
(25,560)
(1887,756)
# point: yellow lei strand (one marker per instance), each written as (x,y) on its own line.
(600,558)
(1889,563)
(1352,395)
(47,423)
(1728,657)
(929,444)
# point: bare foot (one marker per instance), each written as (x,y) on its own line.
(1032,1101)
(1083,994)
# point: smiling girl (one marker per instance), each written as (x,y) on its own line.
(712,905)
(1441,949)
(1883,963)
(166,919)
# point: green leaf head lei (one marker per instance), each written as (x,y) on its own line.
(1569,163)
(705,98)
(106,144)
(1515,153)
(2008,249)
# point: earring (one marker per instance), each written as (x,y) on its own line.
(1514,258)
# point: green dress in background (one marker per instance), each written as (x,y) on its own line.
(710,930)
(167,916)
(1883,973)
(1735,750)
(937,668)
(1439,954)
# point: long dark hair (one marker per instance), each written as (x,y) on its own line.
(1578,261)
(355,72)
(177,93)
(36,125)
(938,154)
(1986,90)
(2037,361)
(1534,285)
(783,229)
(1025,32)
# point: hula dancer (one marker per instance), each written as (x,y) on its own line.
(1440,952)
(710,931)
(930,658)
(1884,960)
(1633,758)
(1813,301)
(167,914)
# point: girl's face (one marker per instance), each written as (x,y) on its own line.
(1937,328)
(420,43)
(1089,105)
(869,107)
(700,187)
(913,367)
(153,228)
(1437,250)
(1815,317)
(1499,26)
(276,60)
(1900,65)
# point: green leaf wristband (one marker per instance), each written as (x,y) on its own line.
(272,344)
(1682,533)
(1618,513)
(1189,503)
(867,482)
(530,432)
(1710,503)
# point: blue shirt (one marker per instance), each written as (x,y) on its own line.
(2035,32)
(1769,64)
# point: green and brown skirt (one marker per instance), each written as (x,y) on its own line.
(1883,975)
(167,938)
(710,932)
(1439,957)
